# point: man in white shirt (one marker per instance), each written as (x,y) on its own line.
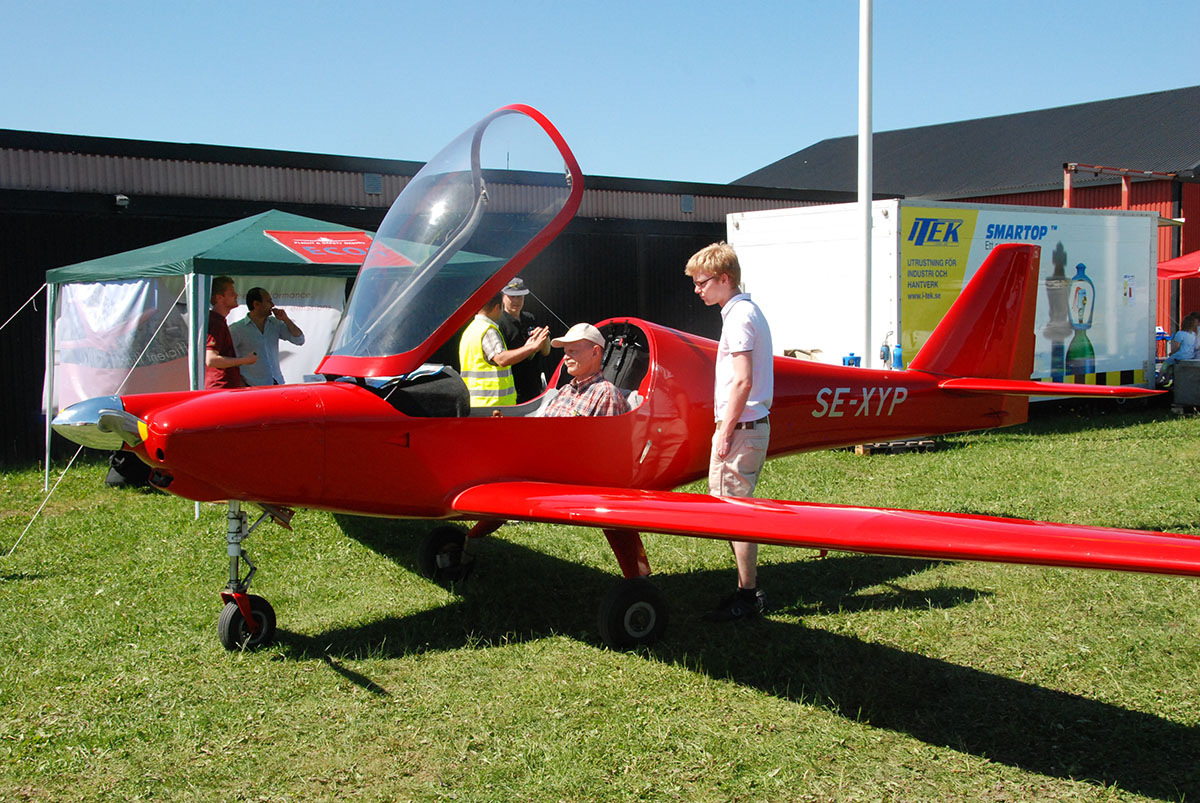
(742,395)
(259,333)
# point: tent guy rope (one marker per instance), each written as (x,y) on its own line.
(23,306)
(71,462)
(42,506)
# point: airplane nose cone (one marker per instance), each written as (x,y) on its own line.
(98,423)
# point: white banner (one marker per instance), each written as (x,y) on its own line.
(102,328)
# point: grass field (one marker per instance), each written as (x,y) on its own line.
(871,678)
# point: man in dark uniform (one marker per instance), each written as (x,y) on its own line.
(517,325)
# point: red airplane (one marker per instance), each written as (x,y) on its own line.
(388,435)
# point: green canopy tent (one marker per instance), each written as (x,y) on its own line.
(129,315)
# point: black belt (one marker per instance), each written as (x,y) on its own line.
(749,424)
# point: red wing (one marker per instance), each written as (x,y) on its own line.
(880,531)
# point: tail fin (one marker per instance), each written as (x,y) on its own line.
(988,331)
(984,345)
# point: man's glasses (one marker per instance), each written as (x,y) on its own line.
(706,281)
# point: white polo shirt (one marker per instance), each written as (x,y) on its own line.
(744,328)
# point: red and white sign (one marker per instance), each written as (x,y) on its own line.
(384,257)
(325,247)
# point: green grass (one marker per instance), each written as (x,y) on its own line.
(872,678)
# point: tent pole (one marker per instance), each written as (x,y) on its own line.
(197,331)
(48,400)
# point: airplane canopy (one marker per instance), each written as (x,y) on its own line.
(466,224)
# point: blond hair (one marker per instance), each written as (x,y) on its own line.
(718,259)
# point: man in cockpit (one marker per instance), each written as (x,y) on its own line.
(588,392)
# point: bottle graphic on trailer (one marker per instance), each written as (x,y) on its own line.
(1081,357)
(1059,325)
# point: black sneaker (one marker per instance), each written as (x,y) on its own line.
(741,604)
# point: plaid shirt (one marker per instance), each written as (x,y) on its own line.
(592,395)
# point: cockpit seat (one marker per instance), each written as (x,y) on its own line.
(626,356)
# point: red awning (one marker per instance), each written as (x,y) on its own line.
(1184,267)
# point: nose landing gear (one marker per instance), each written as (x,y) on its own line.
(247,621)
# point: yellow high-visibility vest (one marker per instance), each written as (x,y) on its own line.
(490,385)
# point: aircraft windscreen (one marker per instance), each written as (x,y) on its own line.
(459,220)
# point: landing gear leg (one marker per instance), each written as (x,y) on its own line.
(635,612)
(248,621)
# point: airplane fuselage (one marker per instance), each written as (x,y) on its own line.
(341,446)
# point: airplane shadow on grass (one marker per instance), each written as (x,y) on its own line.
(518,594)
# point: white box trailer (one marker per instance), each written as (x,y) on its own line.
(1095,299)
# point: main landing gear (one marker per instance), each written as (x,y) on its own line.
(247,621)
(444,554)
(633,614)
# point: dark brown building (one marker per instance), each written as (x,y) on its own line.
(65,199)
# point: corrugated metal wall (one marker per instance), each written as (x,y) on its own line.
(1189,289)
(1153,196)
(99,173)
(622,255)
(52,171)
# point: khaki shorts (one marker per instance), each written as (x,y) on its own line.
(738,473)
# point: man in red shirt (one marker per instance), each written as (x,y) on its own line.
(220,361)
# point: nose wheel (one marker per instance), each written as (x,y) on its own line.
(247,622)
(249,630)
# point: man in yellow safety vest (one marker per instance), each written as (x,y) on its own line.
(484,358)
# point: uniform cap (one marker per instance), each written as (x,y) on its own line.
(516,288)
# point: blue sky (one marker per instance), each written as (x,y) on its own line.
(689,91)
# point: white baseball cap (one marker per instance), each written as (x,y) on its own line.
(580,331)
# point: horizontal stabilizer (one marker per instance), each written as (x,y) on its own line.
(1017,387)
(877,531)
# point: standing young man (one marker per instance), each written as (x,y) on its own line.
(744,388)
(221,363)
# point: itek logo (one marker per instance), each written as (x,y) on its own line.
(934,231)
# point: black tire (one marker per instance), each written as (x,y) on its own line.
(633,614)
(233,631)
(439,555)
